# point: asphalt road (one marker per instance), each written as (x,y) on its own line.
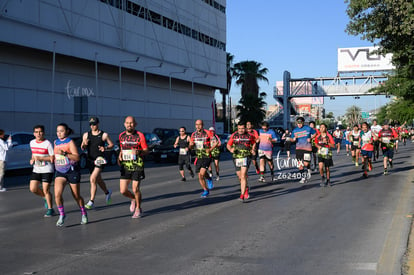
(358,226)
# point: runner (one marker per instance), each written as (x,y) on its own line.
(132,149)
(338,136)
(287,142)
(375,129)
(312,124)
(354,137)
(183,142)
(404,135)
(67,171)
(367,148)
(242,145)
(324,142)
(42,161)
(201,142)
(266,138)
(302,135)
(94,142)
(347,141)
(253,132)
(215,154)
(387,138)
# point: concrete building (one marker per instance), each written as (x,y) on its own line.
(157,60)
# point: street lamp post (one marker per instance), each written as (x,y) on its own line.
(170,88)
(192,93)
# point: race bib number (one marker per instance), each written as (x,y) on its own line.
(128,155)
(62,163)
(199,144)
(39,163)
(355,143)
(324,151)
(386,140)
(241,162)
(100,161)
(288,139)
(183,151)
(307,157)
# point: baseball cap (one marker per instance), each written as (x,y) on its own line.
(337,128)
(93,120)
(211,129)
(300,119)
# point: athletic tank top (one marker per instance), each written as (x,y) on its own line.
(93,146)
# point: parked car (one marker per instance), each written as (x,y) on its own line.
(152,140)
(111,155)
(166,151)
(19,155)
(165,133)
(224,138)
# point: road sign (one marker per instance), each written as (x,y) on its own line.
(364,114)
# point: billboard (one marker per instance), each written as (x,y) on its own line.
(362,59)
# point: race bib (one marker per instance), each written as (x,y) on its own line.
(324,151)
(288,139)
(355,143)
(128,155)
(386,140)
(183,151)
(100,161)
(307,157)
(241,162)
(39,163)
(199,144)
(62,163)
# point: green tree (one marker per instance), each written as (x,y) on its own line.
(247,74)
(390,25)
(251,108)
(353,115)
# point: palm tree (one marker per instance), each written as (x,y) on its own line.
(225,92)
(353,115)
(251,108)
(247,74)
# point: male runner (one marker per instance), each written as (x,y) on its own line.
(183,142)
(241,144)
(266,138)
(255,134)
(375,129)
(354,138)
(387,137)
(338,135)
(312,124)
(132,148)
(367,148)
(94,142)
(201,142)
(42,161)
(347,142)
(302,135)
(215,154)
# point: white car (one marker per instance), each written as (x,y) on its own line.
(19,155)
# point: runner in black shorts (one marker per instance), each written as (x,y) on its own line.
(133,147)
(183,142)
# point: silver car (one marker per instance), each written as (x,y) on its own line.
(19,155)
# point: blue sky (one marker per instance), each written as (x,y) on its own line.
(299,36)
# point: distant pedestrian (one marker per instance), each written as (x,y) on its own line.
(42,160)
(4,146)
(287,142)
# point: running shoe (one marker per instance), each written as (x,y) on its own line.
(210,184)
(246,195)
(132,206)
(257,171)
(241,198)
(89,205)
(49,213)
(274,178)
(217,178)
(365,174)
(192,173)
(205,194)
(210,174)
(309,174)
(262,179)
(137,214)
(108,199)
(84,219)
(61,220)
(303,181)
(356,164)
(347,154)
(390,162)
(45,203)
(323,183)
(385,172)
(369,166)
(3,189)
(183,179)
(328,183)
